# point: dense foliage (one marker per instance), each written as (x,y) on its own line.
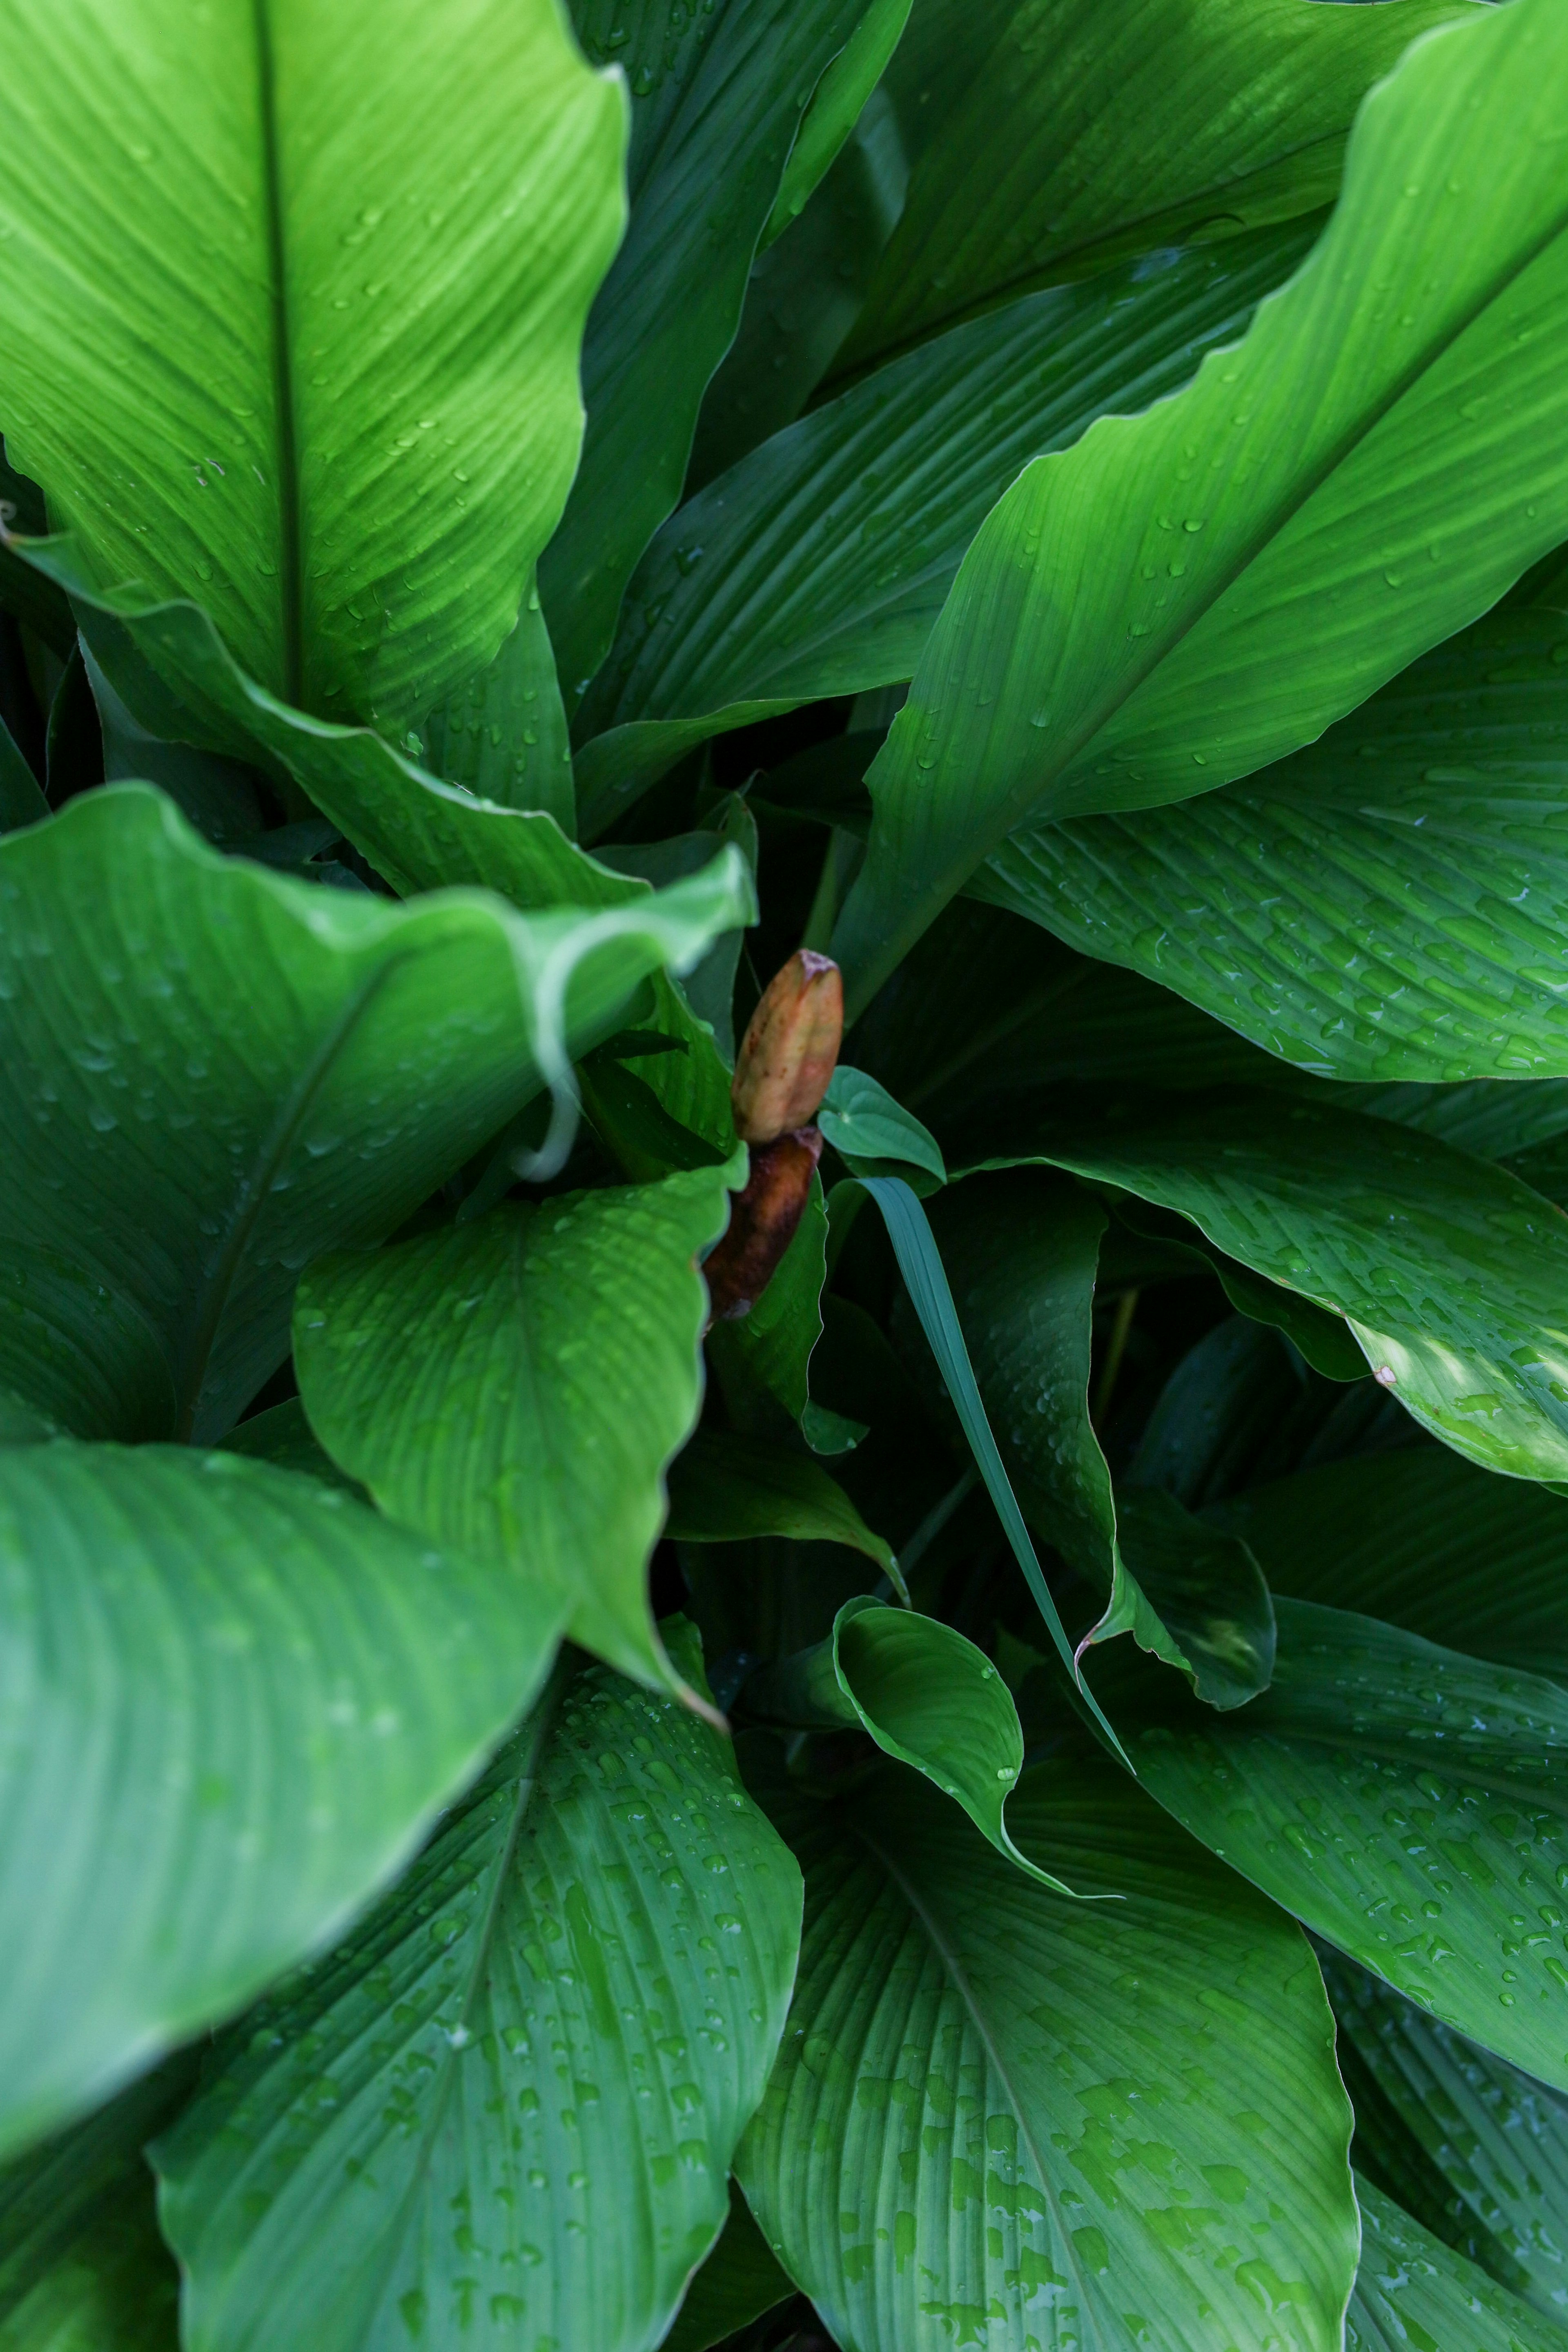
(912,1791)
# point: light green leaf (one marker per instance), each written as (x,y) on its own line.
(739,2281)
(1412,2290)
(1427,1541)
(264,350)
(518,1386)
(995,2109)
(1477,2151)
(727,1488)
(706,89)
(863,1122)
(609,1902)
(209,1073)
(234,1701)
(925,1694)
(82,2267)
(820,564)
(1020,1251)
(502,734)
(1126,628)
(1077,142)
(1403,1799)
(1449,1272)
(837,105)
(1390,921)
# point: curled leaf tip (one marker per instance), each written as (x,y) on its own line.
(790,1049)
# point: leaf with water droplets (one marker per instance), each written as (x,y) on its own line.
(1413,2291)
(513,2096)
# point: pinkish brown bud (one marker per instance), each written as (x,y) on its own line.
(762,1223)
(790,1049)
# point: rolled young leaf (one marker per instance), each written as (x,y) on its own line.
(1125,630)
(1406,1801)
(995,2107)
(518,1386)
(266,352)
(234,1700)
(209,1073)
(598,1945)
(1387,905)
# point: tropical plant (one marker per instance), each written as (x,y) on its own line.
(656,1691)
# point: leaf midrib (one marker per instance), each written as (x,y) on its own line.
(287,447)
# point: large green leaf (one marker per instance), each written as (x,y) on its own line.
(1061,2124)
(234,1699)
(82,2267)
(1412,2291)
(717,99)
(1475,2150)
(1426,1540)
(1021,1250)
(818,564)
(264,349)
(1076,143)
(1449,1271)
(1388,904)
(598,1945)
(1406,1802)
(517,1387)
(1126,628)
(209,1073)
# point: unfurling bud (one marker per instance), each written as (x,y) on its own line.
(762,1222)
(790,1049)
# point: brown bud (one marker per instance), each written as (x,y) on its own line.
(790,1048)
(762,1223)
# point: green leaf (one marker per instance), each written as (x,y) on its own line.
(1059,2122)
(1412,2290)
(1126,628)
(1402,1800)
(1489,2145)
(706,89)
(727,1488)
(1449,1272)
(599,1944)
(820,564)
(82,2266)
(283,1437)
(208,1073)
(1074,145)
(863,1122)
(739,2281)
(920,1263)
(245,1698)
(1020,1251)
(21,799)
(202,366)
(762,1362)
(837,105)
(925,1694)
(502,735)
(517,1387)
(1407,929)
(1426,1541)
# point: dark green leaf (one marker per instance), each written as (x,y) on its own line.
(1413,2291)
(740,2280)
(504,733)
(21,799)
(234,1700)
(1061,2122)
(726,1488)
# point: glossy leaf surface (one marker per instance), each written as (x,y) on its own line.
(209,1073)
(203,368)
(517,1387)
(995,2106)
(1126,628)
(234,1700)
(1445,1266)
(1406,1801)
(1388,904)
(609,1902)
